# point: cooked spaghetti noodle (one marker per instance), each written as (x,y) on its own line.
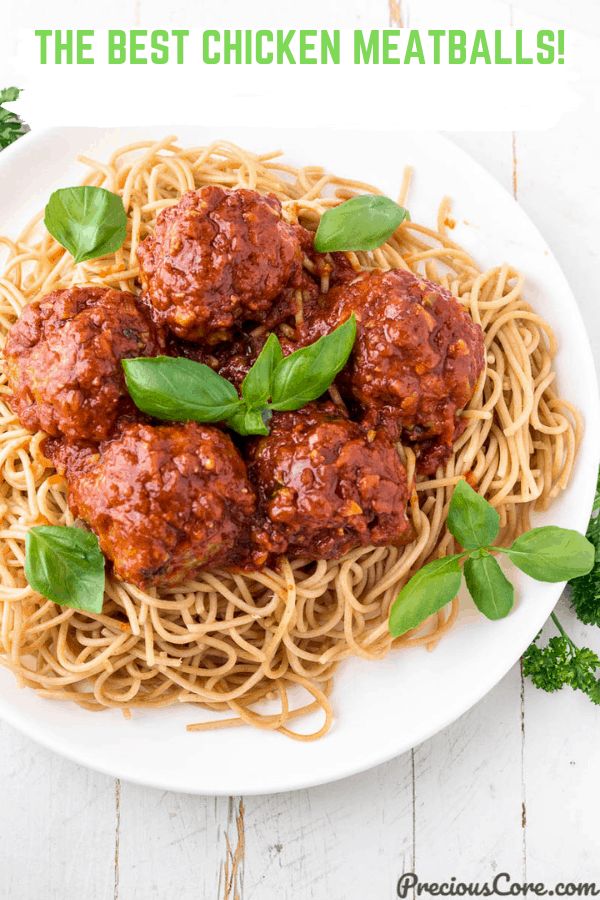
(227,641)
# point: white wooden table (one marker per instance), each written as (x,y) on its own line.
(513,786)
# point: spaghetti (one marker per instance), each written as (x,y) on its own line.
(227,641)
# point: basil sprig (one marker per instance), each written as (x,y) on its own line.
(66,565)
(180,390)
(362,223)
(87,221)
(548,554)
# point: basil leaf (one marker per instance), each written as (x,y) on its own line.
(433,586)
(362,223)
(471,519)
(248,421)
(179,389)
(256,386)
(66,565)
(489,587)
(87,221)
(307,373)
(552,554)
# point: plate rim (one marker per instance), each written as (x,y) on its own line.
(34,729)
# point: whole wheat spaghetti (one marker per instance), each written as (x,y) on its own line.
(227,641)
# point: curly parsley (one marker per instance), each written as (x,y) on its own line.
(562,664)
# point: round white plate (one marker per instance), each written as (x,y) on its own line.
(383,708)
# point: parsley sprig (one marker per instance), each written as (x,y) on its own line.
(562,663)
(11,126)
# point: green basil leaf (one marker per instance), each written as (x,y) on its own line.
(362,223)
(87,221)
(489,587)
(433,586)
(307,373)
(249,421)
(256,386)
(66,565)
(179,389)
(552,554)
(471,519)
(9,95)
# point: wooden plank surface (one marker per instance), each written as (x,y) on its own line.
(511,787)
(57,825)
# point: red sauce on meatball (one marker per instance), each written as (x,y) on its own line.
(222,271)
(324,486)
(63,359)
(416,359)
(164,500)
(217,258)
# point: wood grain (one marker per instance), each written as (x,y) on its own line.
(57,825)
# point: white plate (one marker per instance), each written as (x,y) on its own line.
(383,708)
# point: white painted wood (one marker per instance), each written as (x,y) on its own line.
(351,839)
(172,845)
(57,825)
(469,792)
(560,769)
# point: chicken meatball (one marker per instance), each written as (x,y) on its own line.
(416,359)
(219,257)
(324,486)
(164,500)
(63,359)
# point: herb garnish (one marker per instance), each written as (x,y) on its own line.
(87,221)
(585,590)
(66,565)
(11,126)
(561,662)
(547,554)
(362,223)
(178,389)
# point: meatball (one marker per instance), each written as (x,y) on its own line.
(324,486)
(219,257)
(164,500)
(63,359)
(416,359)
